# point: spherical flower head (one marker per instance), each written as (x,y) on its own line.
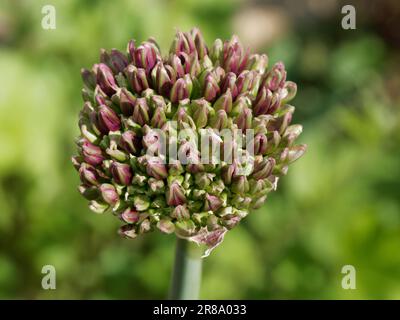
(188,142)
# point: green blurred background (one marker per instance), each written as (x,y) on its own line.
(339,205)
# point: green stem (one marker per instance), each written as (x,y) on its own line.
(186,277)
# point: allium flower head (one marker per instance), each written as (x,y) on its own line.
(187,143)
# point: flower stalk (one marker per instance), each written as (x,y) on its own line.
(186,275)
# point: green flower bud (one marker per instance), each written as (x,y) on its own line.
(127,101)
(88,174)
(156,168)
(216,51)
(180,212)
(263,167)
(121,172)
(141,112)
(224,102)
(141,203)
(90,193)
(98,207)
(201,109)
(185,228)
(166,226)
(175,195)
(212,203)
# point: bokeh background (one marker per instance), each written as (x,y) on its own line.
(339,205)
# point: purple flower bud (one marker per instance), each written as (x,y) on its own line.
(230,220)
(141,112)
(266,102)
(244,120)
(175,195)
(127,101)
(289,91)
(137,78)
(240,185)
(108,118)
(131,142)
(89,78)
(91,153)
(180,212)
(263,167)
(219,74)
(188,153)
(109,193)
(117,61)
(153,141)
(244,81)
(281,123)
(159,119)
(235,57)
(224,102)
(156,168)
(177,65)
(257,63)
(179,91)
(131,50)
(199,43)
(97,125)
(105,79)
(88,174)
(212,203)
(228,173)
(130,216)
(260,144)
(229,83)
(211,88)
(100,97)
(276,78)
(163,78)
(121,173)
(183,118)
(146,56)
(183,42)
